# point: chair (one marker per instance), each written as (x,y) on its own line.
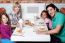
(2,10)
(62,10)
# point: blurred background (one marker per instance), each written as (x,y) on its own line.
(30,8)
(33,1)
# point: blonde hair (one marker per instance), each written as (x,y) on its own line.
(19,6)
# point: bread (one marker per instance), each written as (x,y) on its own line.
(28,23)
(19,30)
(42,29)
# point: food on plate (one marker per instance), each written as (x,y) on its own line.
(18,30)
(41,29)
(27,22)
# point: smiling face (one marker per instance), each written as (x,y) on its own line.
(4,19)
(44,15)
(16,9)
(51,11)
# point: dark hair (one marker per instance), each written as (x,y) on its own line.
(53,6)
(44,11)
(9,23)
(17,3)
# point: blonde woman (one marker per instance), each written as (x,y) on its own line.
(16,13)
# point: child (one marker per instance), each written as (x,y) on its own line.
(5,28)
(47,19)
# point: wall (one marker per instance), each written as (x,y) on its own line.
(33,1)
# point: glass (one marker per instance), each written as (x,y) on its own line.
(36,18)
(19,28)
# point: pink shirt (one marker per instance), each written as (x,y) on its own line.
(5,31)
(47,20)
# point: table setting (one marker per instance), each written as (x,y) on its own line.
(26,31)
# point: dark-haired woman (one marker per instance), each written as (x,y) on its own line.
(58,24)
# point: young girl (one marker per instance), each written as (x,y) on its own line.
(5,28)
(47,19)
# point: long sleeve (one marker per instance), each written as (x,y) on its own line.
(50,24)
(0,31)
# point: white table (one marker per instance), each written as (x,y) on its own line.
(29,35)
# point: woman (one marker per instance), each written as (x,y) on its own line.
(58,24)
(16,14)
